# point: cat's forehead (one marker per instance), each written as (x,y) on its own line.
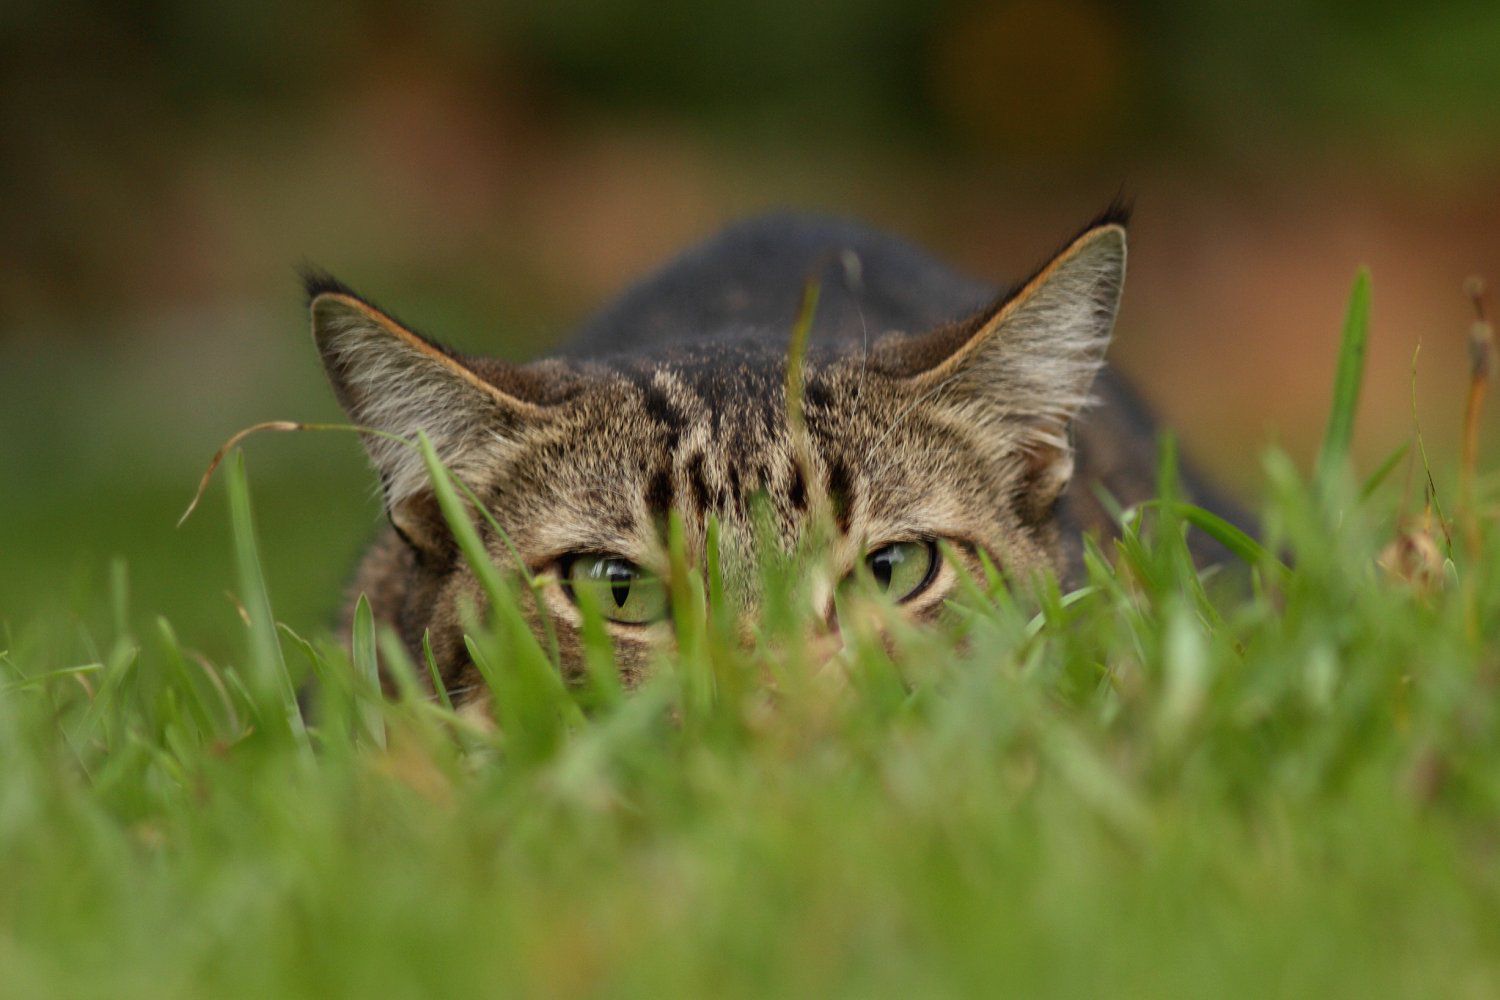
(702,429)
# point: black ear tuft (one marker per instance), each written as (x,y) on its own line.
(1116,213)
(316,281)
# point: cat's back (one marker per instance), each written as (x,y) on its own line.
(749,279)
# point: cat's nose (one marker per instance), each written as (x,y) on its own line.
(822,640)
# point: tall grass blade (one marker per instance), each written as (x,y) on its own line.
(433,674)
(367,694)
(1383,472)
(540,703)
(269,682)
(1338,437)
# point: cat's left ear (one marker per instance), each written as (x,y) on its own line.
(1025,366)
(395,382)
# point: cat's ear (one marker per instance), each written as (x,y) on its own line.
(1025,366)
(393,381)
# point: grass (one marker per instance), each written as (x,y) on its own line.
(1153,785)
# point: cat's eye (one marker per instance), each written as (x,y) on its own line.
(902,570)
(621,590)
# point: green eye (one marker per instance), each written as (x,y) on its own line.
(903,569)
(621,590)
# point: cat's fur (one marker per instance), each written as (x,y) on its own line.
(935,408)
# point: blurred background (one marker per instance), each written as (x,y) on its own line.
(494,172)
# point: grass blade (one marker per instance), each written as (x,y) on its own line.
(1239,543)
(367,694)
(269,682)
(1346,384)
(527,675)
(1383,472)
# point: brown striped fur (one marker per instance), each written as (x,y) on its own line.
(934,408)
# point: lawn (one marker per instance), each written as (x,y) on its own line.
(1279,779)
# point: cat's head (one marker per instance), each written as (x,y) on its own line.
(958,435)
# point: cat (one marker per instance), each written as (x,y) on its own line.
(933,409)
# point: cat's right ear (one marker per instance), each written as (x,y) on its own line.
(1022,369)
(390,379)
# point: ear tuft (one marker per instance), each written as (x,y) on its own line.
(1116,213)
(316,281)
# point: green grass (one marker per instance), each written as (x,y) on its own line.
(1285,783)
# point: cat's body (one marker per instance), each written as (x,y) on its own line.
(935,409)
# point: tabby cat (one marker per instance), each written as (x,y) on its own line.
(932,410)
